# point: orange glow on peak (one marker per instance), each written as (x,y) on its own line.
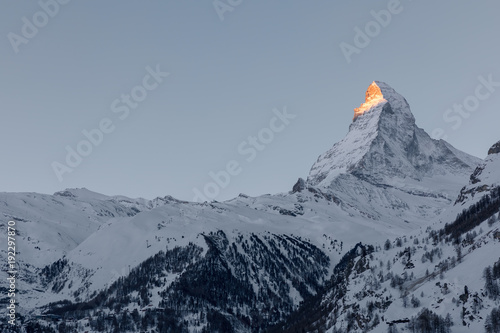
(373,96)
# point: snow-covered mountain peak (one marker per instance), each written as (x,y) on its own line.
(384,144)
(387,161)
(379,92)
(385,116)
(373,97)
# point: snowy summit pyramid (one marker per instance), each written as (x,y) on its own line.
(384,142)
(384,151)
(373,97)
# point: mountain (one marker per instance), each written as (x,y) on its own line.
(313,259)
(387,165)
(384,146)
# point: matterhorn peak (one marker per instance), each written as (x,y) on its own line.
(373,96)
(385,146)
(384,113)
(379,93)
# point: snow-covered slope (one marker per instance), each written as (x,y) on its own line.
(121,244)
(48,227)
(51,225)
(418,281)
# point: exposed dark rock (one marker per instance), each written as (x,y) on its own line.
(299,186)
(495,149)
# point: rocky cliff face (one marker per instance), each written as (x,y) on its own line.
(495,149)
(485,177)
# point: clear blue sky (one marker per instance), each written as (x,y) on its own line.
(225,78)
